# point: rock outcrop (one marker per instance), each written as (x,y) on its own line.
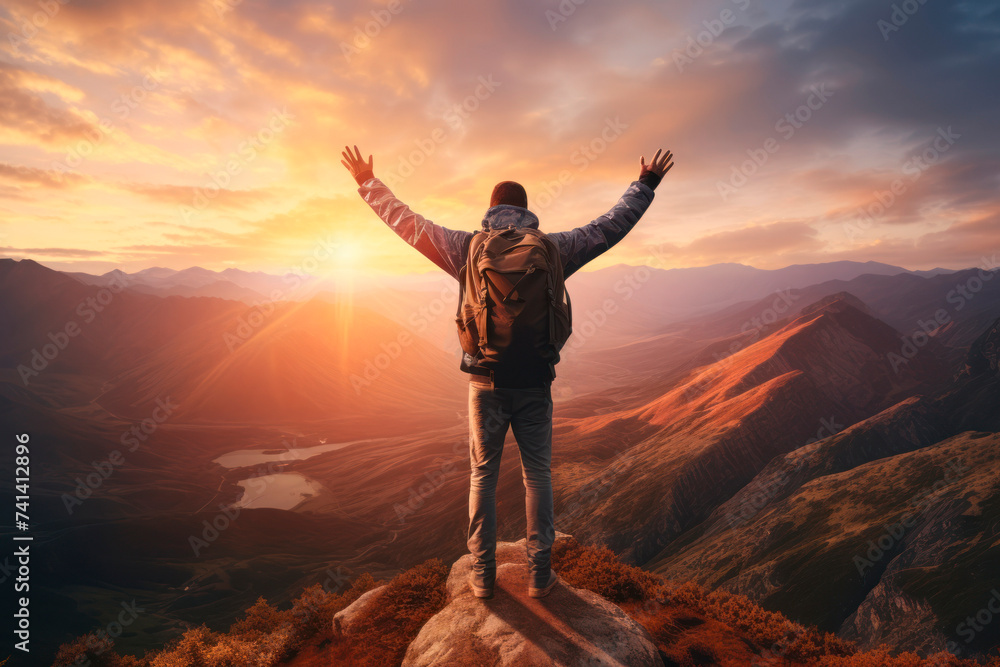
(343,620)
(570,627)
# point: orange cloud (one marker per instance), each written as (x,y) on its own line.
(567,110)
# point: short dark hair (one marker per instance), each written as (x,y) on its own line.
(509,192)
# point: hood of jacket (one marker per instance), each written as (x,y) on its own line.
(505,215)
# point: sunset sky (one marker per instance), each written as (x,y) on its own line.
(137,133)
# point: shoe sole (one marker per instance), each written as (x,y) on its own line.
(542,592)
(482,593)
(479,591)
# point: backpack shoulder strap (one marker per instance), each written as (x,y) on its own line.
(464,270)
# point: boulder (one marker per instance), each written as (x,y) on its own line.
(344,619)
(569,627)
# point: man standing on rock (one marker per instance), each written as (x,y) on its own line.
(511,325)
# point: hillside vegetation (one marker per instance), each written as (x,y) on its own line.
(690,624)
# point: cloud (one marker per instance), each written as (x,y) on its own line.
(757,245)
(200,197)
(26,117)
(408,87)
(52,252)
(35,176)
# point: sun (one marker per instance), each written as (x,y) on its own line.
(348,255)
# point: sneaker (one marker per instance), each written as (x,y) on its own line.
(485,592)
(542,592)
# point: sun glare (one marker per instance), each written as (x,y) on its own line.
(349,255)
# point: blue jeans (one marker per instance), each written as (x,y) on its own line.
(528,412)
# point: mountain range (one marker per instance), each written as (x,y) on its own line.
(750,431)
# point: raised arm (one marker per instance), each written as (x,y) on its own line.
(445,247)
(581,245)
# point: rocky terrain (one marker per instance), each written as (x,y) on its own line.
(569,627)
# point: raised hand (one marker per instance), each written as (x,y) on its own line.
(355,164)
(659,164)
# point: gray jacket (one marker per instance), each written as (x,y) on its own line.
(448,247)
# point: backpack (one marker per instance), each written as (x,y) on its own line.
(513,307)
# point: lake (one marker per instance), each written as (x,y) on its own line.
(242,458)
(281,491)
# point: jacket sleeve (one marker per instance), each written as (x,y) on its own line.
(445,247)
(579,246)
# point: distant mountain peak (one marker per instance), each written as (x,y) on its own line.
(837,303)
(23,263)
(29,269)
(155,272)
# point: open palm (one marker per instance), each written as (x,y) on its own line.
(659,165)
(354,163)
